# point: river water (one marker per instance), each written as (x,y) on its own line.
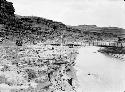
(97,72)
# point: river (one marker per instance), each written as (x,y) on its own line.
(97,72)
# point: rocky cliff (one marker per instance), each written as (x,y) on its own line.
(32,28)
(6,11)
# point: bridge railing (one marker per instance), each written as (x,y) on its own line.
(101,43)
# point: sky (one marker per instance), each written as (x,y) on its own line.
(75,12)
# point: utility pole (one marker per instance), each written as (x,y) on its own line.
(62,37)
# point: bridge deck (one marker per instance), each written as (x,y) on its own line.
(105,44)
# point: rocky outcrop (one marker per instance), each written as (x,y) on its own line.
(6,11)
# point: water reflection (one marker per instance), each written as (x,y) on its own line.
(98,72)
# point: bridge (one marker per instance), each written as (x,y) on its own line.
(107,44)
(98,43)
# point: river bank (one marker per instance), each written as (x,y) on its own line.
(35,68)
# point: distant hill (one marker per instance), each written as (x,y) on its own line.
(94,28)
(85,27)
